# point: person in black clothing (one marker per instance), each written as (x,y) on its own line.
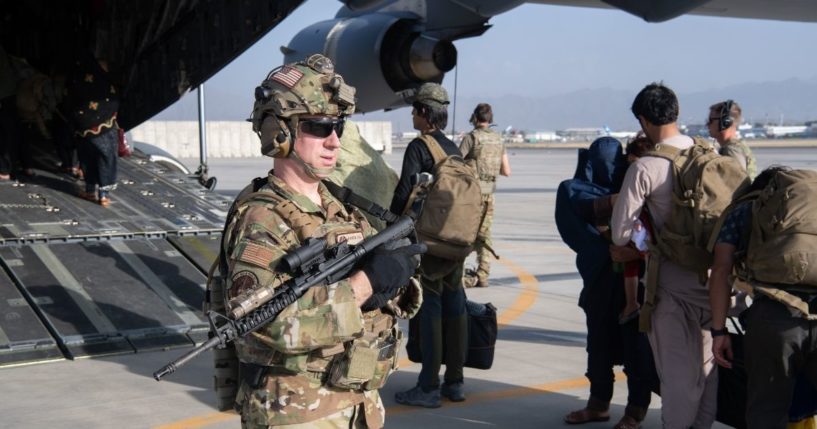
(91,105)
(443,309)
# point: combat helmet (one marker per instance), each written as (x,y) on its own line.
(308,87)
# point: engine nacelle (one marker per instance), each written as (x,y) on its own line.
(380,54)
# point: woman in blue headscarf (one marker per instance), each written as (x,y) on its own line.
(583,208)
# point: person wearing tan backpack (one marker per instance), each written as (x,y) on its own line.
(765,244)
(678,312)
(443,308)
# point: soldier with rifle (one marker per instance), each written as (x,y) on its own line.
(321,359)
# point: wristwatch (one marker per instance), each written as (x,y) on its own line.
(718,332)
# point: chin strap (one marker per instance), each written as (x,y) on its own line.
(311,171)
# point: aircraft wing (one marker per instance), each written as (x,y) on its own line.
(662,10)
(387,48)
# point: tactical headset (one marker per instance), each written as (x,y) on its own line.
(725,120)
(277,108)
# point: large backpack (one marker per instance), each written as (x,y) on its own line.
(782,246)
(704,184)
(452,211)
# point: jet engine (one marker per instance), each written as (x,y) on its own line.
(382,55)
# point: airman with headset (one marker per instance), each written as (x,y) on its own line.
(723,121)
(326,355)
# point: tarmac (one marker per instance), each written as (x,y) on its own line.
(538,371)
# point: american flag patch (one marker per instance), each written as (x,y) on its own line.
(287,76)
(257,255)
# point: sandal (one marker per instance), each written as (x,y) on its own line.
(627,422)
(586,415)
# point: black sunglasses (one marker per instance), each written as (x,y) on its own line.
(322,127)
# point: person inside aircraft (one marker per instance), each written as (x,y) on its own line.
(583,208)
(92,104)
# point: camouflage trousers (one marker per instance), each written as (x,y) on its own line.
(484,256)
(349,418)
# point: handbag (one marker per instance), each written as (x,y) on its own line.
(482,334)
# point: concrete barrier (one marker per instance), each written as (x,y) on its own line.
(231,139)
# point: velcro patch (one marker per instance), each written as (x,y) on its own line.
(242,282)
(257,254)
(287,76)
(351,238)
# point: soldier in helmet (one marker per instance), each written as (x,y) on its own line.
(325,356)
(484,146)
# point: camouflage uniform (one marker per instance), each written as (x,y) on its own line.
(738,149)
(309,338)
(484,147)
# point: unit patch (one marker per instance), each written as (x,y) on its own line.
(350,237)
(287,76)
(257,254)
(243,281)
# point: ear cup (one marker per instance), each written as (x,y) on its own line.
(726,120)
(276,140)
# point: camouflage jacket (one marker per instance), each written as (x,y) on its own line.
(299,345)
(484,147)
(740,151)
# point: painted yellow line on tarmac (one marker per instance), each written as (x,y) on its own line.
(476,398)
(522,303)
(473,398)
(200,421)
(525,299)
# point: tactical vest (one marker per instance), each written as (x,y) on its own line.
(379,329)
(740,145)
(487,152)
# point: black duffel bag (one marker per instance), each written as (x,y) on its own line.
(482,331)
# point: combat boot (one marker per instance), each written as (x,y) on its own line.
(419,398)
(453,391)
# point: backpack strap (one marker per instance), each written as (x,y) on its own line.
(434,147)
(347,197)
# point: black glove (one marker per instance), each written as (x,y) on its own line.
(389,269)
(376,301)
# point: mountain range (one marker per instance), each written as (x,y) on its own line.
(789,101)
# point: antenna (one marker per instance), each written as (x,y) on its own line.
(454,106)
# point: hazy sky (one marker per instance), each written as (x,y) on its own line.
(540,50)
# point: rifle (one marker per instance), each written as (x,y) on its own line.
(312,264)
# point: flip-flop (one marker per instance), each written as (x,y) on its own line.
(586,416)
